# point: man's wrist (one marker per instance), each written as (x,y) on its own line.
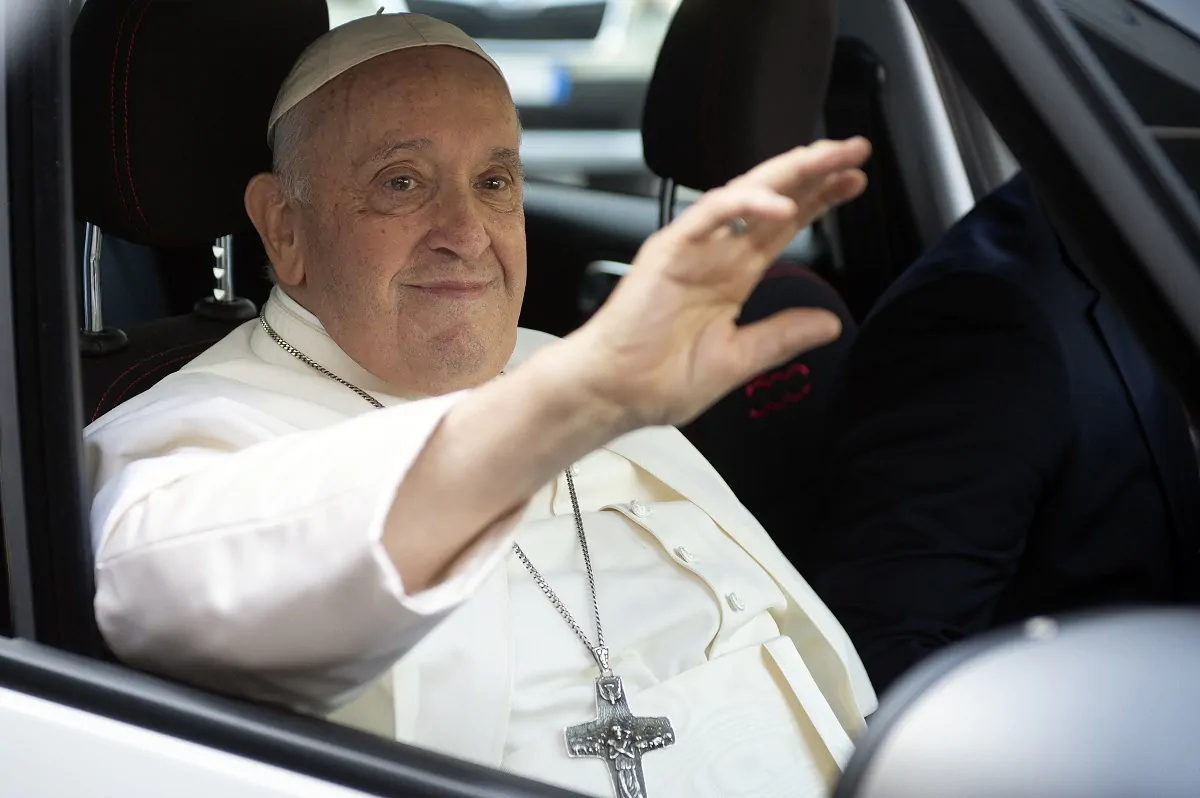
(574,381)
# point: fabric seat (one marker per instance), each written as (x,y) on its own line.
(730,90)
(763,437)
(169,109)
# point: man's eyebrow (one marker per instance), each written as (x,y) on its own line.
(510,158)
(386,151)
(505,155)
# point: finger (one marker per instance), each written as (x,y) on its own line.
(834,190)
(791,170)
(780,337)
(716,209)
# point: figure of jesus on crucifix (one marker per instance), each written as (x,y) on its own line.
(619,738)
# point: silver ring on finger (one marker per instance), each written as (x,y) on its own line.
(738,226)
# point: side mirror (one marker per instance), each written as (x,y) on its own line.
(1101,705)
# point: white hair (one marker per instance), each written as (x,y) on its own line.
(292,133)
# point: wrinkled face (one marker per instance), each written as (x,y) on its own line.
(410,245)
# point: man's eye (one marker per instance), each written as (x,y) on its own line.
(401,183)
(495,183)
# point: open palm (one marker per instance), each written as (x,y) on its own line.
(666,343)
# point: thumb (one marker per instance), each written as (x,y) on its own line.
(780,337)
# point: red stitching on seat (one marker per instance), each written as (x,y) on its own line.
(128,62)
(784,401)
(112,106)
(767,380)
(162,365)
(113,384)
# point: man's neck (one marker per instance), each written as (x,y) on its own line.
(304,325)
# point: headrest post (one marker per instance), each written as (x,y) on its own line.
(223,271)
(93,313)
(666,202)
(224,304)
(95,338)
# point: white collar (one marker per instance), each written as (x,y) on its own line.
(299,327)
(295,307)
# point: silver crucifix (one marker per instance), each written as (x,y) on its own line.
(618,737)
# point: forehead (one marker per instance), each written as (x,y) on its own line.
(440,94)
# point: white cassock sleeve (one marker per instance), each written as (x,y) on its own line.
(249,561)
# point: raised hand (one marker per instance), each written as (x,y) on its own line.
(666,344)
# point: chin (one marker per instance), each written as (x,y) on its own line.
(468,357)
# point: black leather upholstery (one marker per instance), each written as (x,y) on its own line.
(733,87)
(170,100)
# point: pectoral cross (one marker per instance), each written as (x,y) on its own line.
(619,738)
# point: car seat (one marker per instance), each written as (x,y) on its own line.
(730,90)
(169,107)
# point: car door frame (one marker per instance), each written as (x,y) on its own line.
(1091,159)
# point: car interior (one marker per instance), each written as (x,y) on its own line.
(166,128)
(187,266)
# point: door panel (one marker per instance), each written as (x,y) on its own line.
(130,734)
(110,759)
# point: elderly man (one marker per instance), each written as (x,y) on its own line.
(344,508)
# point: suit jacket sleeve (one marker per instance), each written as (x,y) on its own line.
(246,558)
(951,420)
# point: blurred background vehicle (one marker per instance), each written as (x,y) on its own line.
(578,70)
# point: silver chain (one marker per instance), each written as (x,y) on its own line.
(308,361)
(599,651)
(587,561)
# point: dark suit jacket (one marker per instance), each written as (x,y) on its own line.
(999,447)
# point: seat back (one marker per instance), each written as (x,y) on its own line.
(730,90)
(170,100)
(764,436)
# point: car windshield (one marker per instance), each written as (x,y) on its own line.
(578,71)
(1151,50)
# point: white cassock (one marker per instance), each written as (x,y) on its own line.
(237,515)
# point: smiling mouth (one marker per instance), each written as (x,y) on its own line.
(454,288)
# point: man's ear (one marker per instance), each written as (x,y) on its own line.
(277,222)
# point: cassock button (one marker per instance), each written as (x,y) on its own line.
(735,602)
(684,555)
(639,509)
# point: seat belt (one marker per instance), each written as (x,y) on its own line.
(884,239)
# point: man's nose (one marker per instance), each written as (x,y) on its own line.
(457,226)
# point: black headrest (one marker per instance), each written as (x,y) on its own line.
(170,100)
(736,83)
